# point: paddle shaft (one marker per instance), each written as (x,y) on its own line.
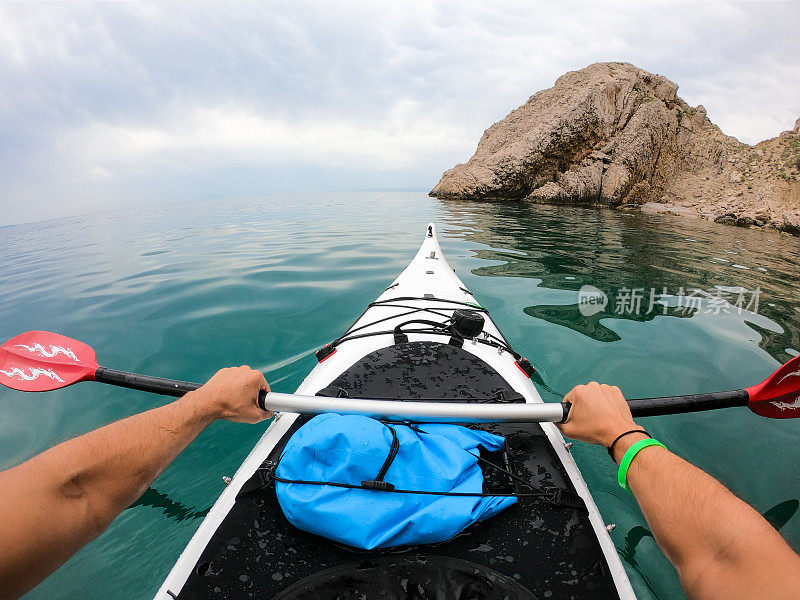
(670,405)
(673,405)
(144,383)
(450,412)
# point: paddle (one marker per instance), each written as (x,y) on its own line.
(39,361)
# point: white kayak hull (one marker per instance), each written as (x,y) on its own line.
(427,274)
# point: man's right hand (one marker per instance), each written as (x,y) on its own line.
(599,413)
(232,394)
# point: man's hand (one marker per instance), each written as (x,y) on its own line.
(708,534)
(599,413)
(232,394)
(66,496)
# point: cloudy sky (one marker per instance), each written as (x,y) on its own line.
(105,106)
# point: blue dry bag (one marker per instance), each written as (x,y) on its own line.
(357,453)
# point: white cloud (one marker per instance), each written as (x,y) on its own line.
(115,104)
(215,135)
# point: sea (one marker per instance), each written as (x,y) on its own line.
(656,304)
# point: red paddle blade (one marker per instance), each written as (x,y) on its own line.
(38,361)
(778,397)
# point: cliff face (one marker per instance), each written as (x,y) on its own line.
(616,135)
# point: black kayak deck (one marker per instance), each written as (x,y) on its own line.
(534,549)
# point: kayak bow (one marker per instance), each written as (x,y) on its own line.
(406,354)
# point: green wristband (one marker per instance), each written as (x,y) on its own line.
(630,454)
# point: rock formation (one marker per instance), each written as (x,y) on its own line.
(615,135)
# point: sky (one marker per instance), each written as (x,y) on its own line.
(106,106)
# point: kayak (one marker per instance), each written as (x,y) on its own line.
(424,338)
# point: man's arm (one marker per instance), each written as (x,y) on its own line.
(60,500)
(720,546)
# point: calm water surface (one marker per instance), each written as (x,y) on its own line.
(182,290)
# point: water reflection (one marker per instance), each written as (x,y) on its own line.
(569,315)
(172,509)
(779,515)
(566,248)
(528,265)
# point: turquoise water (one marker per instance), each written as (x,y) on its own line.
(184,289)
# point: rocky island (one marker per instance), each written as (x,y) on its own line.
(614,135)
